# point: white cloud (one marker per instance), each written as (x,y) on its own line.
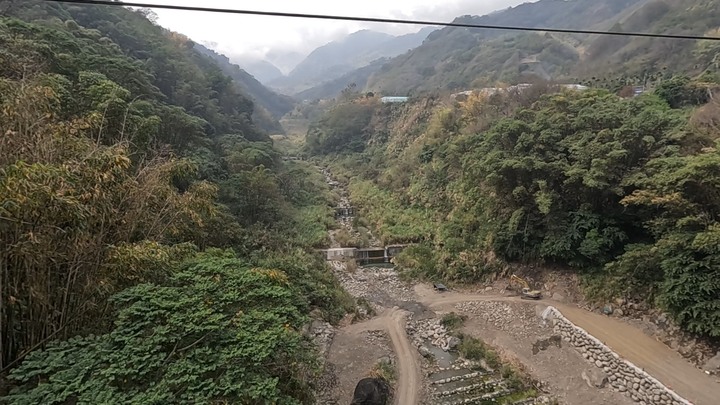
(247,35)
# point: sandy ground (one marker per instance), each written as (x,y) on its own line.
(655,358)
(352,355)
(510,325)
(353,358)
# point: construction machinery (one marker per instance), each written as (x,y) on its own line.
(525,292)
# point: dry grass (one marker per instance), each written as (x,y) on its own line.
(384,370)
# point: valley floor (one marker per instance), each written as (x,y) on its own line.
(512,326)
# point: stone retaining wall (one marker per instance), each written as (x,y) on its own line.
(622,375)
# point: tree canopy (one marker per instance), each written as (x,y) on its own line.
(127,160)
(621,189)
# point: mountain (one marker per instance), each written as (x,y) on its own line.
(285,60)
(458,58)
(275,105)
(332,88)
(262,70)
(337,58)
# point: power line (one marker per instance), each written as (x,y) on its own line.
(384,20)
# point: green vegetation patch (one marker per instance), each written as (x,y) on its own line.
(218,330)
(453,321)
(621,189)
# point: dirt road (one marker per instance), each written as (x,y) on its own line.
(409,380)
(655,358)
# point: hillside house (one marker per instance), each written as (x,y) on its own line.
(386,100)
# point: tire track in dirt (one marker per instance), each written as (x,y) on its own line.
(628,342)
(409,380)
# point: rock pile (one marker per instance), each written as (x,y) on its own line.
(369,282)
(503,316)
(377,337)
(431,330)
(622,375)
(322,333)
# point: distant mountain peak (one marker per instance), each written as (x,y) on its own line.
(341,57)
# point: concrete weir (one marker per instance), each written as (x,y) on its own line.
(373,255)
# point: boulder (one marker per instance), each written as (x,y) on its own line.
(371,391)
(713,364)
(453,343)
(595,378)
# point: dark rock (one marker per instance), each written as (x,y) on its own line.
(371,391)
(544,344)
(424,351)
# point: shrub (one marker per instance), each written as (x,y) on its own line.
(453,321)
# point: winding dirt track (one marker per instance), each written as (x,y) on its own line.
(654,357)
(409,382)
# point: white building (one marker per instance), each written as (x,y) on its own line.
(386,100)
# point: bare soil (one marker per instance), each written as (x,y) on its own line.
(513,329)
(358,347)
(631,343)
(353,354)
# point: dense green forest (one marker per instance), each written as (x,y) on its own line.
(622,190)
(269,106)
(154,247)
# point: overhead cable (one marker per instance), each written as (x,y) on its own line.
(385,20)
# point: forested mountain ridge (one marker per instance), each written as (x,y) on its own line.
(152,238)
(331,89)
(337,58)
(622,191)
(269,105)
(460,58)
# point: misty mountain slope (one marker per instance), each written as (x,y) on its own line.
(262,70)
(459,58)
(269,106)
(333,87)
(338,58)
(615,56)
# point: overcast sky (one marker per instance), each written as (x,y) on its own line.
(234,34)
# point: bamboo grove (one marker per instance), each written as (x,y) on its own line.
(136,195)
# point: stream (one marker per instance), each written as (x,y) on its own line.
(448,378)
